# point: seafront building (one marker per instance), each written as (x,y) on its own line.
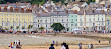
(72,16)
(8,19)
(16,15)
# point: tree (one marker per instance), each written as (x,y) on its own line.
(17,27)
(11,1)
(23,27)
(2,2)
(41,28)
(0,27)
(6,29)
(88,2)
(30,26)
(57,26)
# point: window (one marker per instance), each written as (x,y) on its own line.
(80,19)
(80,24)
(53,20)
(102,23)
(62,20)
(66,25)
(19,19)
(98,19)
(99,28)
(10,19)
(94,19)
(28,19)
(93,24)
(46,21)
(7,19)
(2,23)
(71,25)
(38,20)
(63,24)
(13,19)
(2,19)
(76,24)
(19,24)
(102,19)
(22,19)
(67,20)
(13,24)
(76,19)
(46,25)
(16,19)
(89,19)
(72,20)
(38,26)
(72,16)
(7,24)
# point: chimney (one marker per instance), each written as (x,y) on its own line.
(0,9)
(102,11)
(108,9)
(67,11)
(103,5)
(22,10)
(93,11)
(11,9)
(5,9)
(75,11)
(108,6)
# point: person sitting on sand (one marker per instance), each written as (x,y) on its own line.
(51,46)
(18,46)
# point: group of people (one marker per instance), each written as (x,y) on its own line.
(15,44)
(63,46)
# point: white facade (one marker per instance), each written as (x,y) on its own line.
(47,21)
(96,22)
(61,19)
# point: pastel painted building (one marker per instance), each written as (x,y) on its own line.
(72,21)
(93,22)
(8,19)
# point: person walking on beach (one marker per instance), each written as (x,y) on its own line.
(52,46)
(80,45)
(53,42)
(90,46)
(109,41)
(99,41)
(19,43)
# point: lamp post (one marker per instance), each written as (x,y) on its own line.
(108,26)
(85,21)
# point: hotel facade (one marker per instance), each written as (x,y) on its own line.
(8,19)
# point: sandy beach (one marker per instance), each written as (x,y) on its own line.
(39,41)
